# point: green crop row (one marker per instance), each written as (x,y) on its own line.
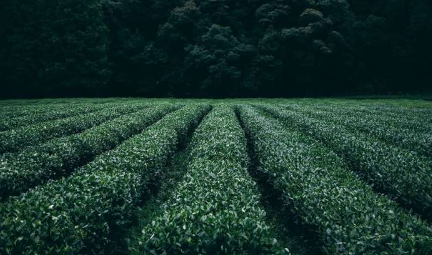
(79,214)
(8,111)
(412,120)
(382,106)
(59,101)
(14,111)
(418,110)
(379,126)
(397,172)
(31,167)
(17,139)
(216,208)
(347,215)
(52,114)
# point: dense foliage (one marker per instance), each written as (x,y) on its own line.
(214,48)
(19,138)
(58,157)
(384,165)
(204,176)
(78,214)
(346,214)
(195,220)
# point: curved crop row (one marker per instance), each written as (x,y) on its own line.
(49,115)
(16,111)
(77,215)
(385,106)
(31,167)
(397,172)
(27,108)
(17,139)
(215,209)
(403,110)
(413,121)
(397,109)
(378,126)
(346,214)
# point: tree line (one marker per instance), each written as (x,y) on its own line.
(214,48)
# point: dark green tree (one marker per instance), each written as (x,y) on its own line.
(217,58)
(214,48)
(55,47)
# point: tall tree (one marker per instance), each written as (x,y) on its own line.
(214,48)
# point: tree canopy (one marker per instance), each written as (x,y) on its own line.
(214,48)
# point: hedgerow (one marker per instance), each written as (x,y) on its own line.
(215,209)
(78,214)
(56,158)
(346,214)
(398,173)
(17,139)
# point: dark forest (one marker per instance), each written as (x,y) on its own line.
(214,48)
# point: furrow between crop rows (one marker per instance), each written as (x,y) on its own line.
(300,240)
(160,190)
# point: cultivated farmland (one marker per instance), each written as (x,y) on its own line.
(166,176)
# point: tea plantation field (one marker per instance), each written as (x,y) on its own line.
(238,177)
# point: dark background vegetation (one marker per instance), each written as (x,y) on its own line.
(214,48)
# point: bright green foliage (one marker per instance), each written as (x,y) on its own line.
(215,209)
(399,173)
(346,214)
(77,215)
(17,139)
(56,158)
